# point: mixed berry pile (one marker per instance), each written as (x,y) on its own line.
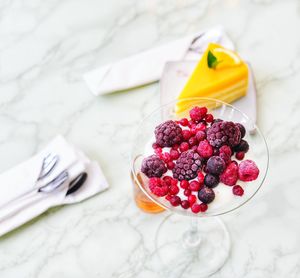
(199,153)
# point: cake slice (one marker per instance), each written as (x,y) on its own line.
(220,74)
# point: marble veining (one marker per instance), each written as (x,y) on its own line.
(46,46)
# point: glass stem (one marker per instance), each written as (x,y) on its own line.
(191,237)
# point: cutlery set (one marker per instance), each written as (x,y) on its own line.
(60,181)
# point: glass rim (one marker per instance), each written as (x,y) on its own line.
(185,213)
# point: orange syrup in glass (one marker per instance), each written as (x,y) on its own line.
(141,200)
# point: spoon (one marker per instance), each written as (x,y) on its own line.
(76,183)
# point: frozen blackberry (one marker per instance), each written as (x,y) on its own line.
(211,180)
(187,165)
(243,146)
(223,133)
(206,195)
(168,134)
(215,165)
(242,129)
(153,166)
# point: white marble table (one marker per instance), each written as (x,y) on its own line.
(45,46)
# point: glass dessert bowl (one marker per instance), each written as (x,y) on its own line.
(190,242)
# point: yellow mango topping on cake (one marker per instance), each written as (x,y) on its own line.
(220,74)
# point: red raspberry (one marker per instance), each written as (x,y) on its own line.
(184,184)
(160,191)
(200,135)
(238,190)
(158,151)
(195,186)
(186,134)
(174,154)
(248,171)
(225,157)
(200,178)
(230,175)
(184,146)
(187,192)
(184,122)
(205,149)
(240,155)
(167,180)
(185,204)
(154,182)
(193,141)
(198,113)
(192,199)
(209,118)
(170,165)
(196,208)
(226,149)
(173,189)
(175,201)
(158,187)
(203,207)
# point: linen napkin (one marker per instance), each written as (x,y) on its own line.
(147,67)
(20,200)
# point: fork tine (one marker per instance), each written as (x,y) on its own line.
(48,164)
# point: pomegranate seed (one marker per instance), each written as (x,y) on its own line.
(174,154)
(196,208)
(184,122)
(200,178)
(203,207)
(187,192)
(238,190)
(195,186)
(185,204)
(184,146)
(209,118)
(240,155)
(192,199)
(184,184)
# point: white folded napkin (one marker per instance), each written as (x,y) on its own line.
(20,200)
(147,67)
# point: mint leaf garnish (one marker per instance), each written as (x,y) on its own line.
(212,60)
